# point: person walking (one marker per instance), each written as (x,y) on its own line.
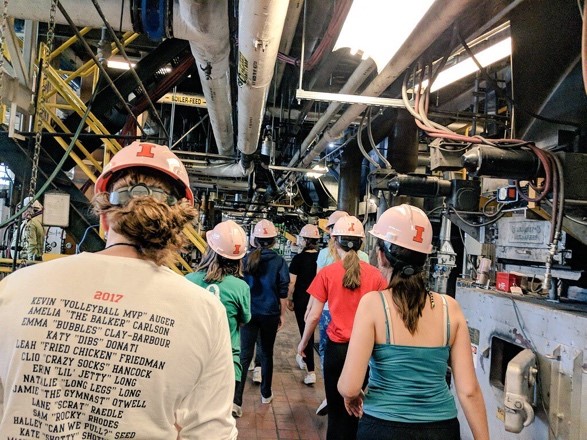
(220,272)
(114,344)
(327,256)
(267,275)
(302,271)
(408,336)
(342,284)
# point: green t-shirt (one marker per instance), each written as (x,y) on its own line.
(235,295)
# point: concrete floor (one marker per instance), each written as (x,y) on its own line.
(292,414)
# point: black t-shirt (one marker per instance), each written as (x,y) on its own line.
(304,267)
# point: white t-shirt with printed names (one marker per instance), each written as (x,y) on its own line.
(103,347)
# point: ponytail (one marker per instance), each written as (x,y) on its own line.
(254,258)
(352,267)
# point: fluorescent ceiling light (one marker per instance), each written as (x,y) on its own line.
(379,27)
(486,57)
(119,65)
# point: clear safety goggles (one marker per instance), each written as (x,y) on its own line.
(123,195)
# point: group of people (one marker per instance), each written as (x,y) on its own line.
(116,344)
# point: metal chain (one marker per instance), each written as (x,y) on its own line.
(40,110)
(2,44)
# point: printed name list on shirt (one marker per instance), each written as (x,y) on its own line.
(83,375)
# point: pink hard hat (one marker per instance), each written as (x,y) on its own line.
(145,154)
(405,226)
(335,216)
(228,239)
(310,231)
(348,226)
(265,229)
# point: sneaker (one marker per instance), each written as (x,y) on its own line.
(237,411)
(322,409)
(267,399)
(257,378)
(310,378)
(300,361)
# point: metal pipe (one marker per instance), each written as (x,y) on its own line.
(358,77)
(439,17)
(260,27)
(38,10)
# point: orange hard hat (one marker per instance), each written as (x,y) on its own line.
(228,239)
(405,226)
(148,155)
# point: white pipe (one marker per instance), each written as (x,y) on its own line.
(205,25)
(439,17)
(222,170)
(82,12)
(260,27)
(289,31)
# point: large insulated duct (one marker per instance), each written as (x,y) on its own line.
(260,27)
(201,22)
(439,17)
(206,24)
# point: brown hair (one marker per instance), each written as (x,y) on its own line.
(217,267)
(153,226)
(351,264)
(409,292)
(254,258)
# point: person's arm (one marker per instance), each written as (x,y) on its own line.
(466,384)
(244,313)
(311,322)
(206,411)
(361,344)
(283,286)
(292,284)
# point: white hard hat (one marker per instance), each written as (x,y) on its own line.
(36,204)
(310,231)
(228,239)
(335,216)
(348,226)
(405,226)
(265,229)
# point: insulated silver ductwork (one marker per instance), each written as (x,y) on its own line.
(206,23)
(439,17)
(260,27)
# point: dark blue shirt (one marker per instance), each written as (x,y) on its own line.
(269,285)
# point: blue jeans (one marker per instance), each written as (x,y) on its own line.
(372,428)
(322,326)
(264,327)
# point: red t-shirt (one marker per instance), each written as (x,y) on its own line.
(343,302)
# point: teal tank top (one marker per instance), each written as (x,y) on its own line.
(408,384)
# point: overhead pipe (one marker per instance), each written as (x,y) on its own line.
(357,79)
(289,31)
(200,22)
(260,27)
(206,24)
(439,17)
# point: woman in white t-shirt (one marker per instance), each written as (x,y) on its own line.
(115,344)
